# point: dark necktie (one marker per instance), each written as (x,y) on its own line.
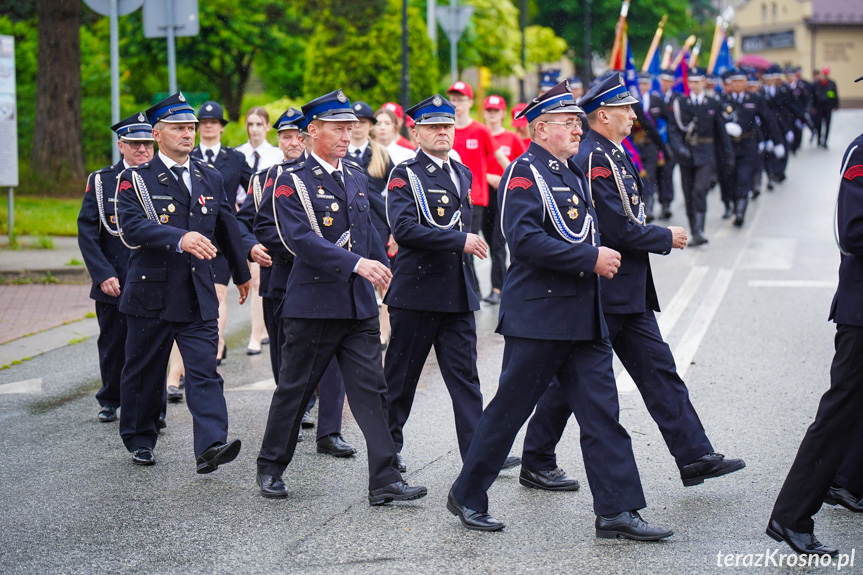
(210,156)
(337,176)
(357,154)
(446,169)
(178,171)
(257,159)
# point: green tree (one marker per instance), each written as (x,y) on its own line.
(566,18)
(367,65)
(543,45)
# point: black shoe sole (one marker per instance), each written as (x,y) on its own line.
(106,419)
(835,502)
(534,485)
(455,512)
(307,425)
(227,456)
(514,463)
(175,399)
(605,534)
(699,479)
(337,454)
(382,499)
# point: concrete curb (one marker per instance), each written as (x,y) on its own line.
(66,275)
(30,346)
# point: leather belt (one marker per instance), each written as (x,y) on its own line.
(743,136)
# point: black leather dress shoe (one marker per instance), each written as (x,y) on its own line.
(550,480)
(511,461)
(400,463)
(174,394)
(398,491)
(493,298)
(707,466)
(161,423)
(628,525)
(217,455)
(805,543)
(272,486)
(471,519)
(334,445)
(107,414)
(143,456)
(308,421)
(843,497)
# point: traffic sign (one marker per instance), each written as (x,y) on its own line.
(103,7)
(184,19)
(453,20)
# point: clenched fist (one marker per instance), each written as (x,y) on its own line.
(607,263)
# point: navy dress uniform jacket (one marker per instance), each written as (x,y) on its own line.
(321,283)
(847,306)
(104,254)
(631,290)
(377,187)
(233,167)
(707,143)
(431,272)
(547,277)
(163,283)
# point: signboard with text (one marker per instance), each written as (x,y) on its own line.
(773,41)
(8,114)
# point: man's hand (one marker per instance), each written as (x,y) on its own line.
(473,244)
(244,291)
(198,245)
(607,263)
(111,287)
(260,256)
(678,237)
(376,272)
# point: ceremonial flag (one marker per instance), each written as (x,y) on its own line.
(723,60)
(681,77)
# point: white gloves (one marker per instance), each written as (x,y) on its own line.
(779,151)
(733,130)
(768,145)
(789,137)
(760,147)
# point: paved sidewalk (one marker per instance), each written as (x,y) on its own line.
(27,309)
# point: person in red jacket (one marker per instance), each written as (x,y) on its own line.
(478,150)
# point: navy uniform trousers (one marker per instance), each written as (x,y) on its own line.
(112,352)
(638,343)
(453,336)
(584,370)
(829,439)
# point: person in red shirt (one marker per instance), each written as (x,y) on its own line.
(400,114)
(478,150)
(512,146)
(520,125)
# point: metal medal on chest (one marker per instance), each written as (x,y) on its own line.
(634,200)
(328,221)
(334,206)
(163,218)
(575,199)
(204,210)
(440,212)
(445,199)
(171,208)
(573,213)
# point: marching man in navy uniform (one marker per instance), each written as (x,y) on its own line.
(837,426)
(629,298)
(432,296)
(551,320)
(701,144)
(176,210)
(330,309)
(106,257)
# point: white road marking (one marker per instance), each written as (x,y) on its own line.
(263,385)
(668,318)
(688,346)
(769,254)
(26,386)
(791,284)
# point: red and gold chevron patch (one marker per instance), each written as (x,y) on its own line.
(396,183)
(599,172)
(124,185)
(853,172)
(522,183)
(269,183)
(284,190)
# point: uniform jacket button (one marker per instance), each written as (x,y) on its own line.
(193,269)
(581,274)
(143,277)
(338,270)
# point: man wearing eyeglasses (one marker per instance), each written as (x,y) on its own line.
(107,259)
(551,320)
(629,299)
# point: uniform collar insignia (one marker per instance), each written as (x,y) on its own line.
(431,168)
(554,165)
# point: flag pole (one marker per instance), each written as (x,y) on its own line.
(693,58)
(682,54)
(618,34)
(666,57)
(654,44)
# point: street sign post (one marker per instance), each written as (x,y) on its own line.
(169,19)
(114,9)
(8,126)
(454,19)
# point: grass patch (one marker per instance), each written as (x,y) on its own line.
(42,243)
(74,262)
(49,278)
(77,340)
(42,217)
(90,314)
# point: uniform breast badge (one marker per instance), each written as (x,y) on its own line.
(171,208)
(444,199)
(440,212)
(634,200)
(573,213)
(575,199)
(204,210)
(327,221)
(163,218)
(334,206)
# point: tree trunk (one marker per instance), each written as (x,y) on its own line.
(57,149)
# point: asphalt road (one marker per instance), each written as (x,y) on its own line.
(746,316)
